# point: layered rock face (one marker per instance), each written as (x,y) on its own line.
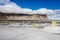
(24,17)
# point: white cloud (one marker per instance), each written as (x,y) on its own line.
(4,1)
(55,15)
(43,11)
(12,7)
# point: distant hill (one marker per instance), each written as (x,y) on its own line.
(23,17)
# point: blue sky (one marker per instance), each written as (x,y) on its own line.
(36,4)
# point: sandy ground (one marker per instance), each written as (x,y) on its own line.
(25,33)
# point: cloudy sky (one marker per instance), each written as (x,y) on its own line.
(49,7)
